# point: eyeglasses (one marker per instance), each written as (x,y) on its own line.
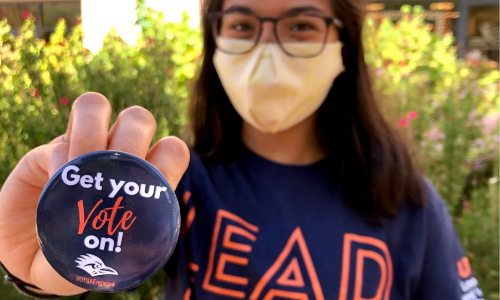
(303,35)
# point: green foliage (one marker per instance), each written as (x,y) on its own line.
(39,81)
(448,106)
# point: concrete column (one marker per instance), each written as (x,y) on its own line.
(462,27)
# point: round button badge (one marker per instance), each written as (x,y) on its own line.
(107,221)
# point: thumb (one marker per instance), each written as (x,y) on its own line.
(170,156)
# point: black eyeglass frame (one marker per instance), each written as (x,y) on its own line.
(215,16)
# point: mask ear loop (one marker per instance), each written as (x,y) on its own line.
(342,38)
(338,23)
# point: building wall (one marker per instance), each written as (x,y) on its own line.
(482,36)
(98,16)
(46,13)
(474,23)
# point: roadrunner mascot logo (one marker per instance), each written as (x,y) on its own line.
(94,265)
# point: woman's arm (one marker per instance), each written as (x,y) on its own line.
(446,272)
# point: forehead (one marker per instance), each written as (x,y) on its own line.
(274,8)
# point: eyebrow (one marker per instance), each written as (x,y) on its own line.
(239,8)
(291,12)
(302,9)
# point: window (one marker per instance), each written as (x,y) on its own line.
(441,15)
(51,12)
(46,13)
(482,31)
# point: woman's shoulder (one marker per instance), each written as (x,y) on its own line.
(197,163)
(434,205)
(198,170)
(429,215)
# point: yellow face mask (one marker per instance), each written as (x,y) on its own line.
(273,91)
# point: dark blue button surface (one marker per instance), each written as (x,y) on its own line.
(108,221)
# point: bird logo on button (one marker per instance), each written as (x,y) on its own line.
(94,266)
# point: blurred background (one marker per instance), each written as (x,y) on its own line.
(434,67)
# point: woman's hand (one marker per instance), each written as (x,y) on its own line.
(87,132)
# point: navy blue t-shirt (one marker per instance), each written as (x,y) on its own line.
(255,229)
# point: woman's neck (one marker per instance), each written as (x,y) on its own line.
(298,145)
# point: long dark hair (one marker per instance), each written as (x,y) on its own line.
(371,161)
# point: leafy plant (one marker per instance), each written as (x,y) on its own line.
(39,80)
(448,106)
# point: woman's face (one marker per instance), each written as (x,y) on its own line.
(279,8)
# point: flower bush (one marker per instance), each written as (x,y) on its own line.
(40,79)
(447,106)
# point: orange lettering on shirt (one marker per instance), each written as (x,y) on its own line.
(293,268)
(384,262)
(187,294)
(231,225)
(191,213)
(285,295)
(358,286)
(194,267)
(464,269)
(227,243)
(220,275)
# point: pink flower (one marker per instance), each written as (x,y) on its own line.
(466,204)
(34,93)
(412,115)
(25,15)
(490,122)
(433,134)
(404,122)
(64,101)
(78,22)
(379,72)
(472,115)
(479,143)
(463,94)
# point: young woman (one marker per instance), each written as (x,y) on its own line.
(297,188)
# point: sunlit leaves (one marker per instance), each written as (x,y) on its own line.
(414,69)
